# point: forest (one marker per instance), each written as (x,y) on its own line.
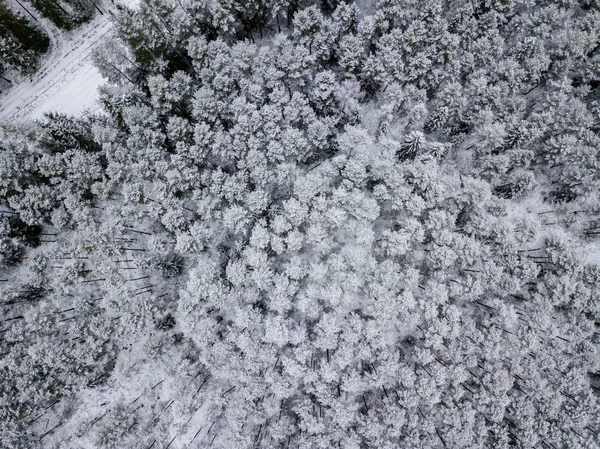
(369,224)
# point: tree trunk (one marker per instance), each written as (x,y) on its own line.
(26,10)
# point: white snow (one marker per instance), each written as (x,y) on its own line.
(79,94)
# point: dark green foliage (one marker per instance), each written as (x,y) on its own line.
(83,8)
(410,147)
(13,55)
(505,191)
(11,253)
(170,265)
(59,15)
(178,337)
(29,235)
(62,132)
(20,42)
(464,216)
(165,323)
(32,293)
(54,167)
(563,194)
(16,236)
(29,36)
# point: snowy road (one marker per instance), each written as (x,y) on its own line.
(66,82)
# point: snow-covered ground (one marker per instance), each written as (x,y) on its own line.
(66,82)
